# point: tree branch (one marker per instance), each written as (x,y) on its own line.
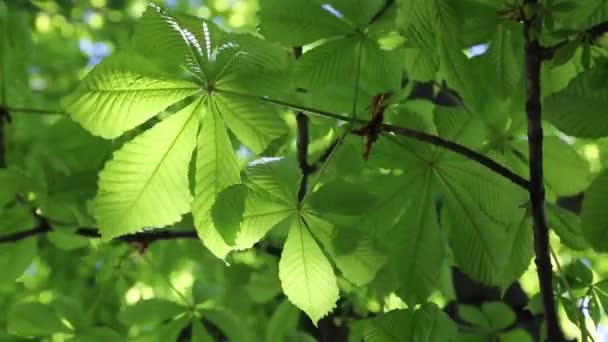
(593,33)
(144,237)
(302,142)
(460,149)
(533,60)
(407,132)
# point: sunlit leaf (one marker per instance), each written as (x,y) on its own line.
(145,184)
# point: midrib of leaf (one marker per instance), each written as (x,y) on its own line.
(502,72)
(219,75)
(175,25)
(165,154)
(357,78)
(394,194)
(490,216)
(346,132)
(270,213)
(405,147)
(283,200)
(217,143)
(217,101)
(308,286)
(418,221)
(478,230)
(131,90)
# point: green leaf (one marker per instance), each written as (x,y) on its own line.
(505,66)
(150,311)
(253,121)
(34,319)
(216,169)
(520,249)
(15,219)
(199,333)
(393,326)
(381,70)
(283,321)
(307,277)
(516,335)
(594,216)
(264,286)
(579,275)
(419,65)
(341,197)
(273,177)
(165,332)
(456,124)
(360,263)
(459,74)
(95,334)
(561,161)
(500,314)
(160,35)
(260,216)
(360,12)
(231,325)
(481,206)
(269,202)
(145,184)
(473,316)
(11,184)
(121,93)
(601,291)
(579,109)
(203,291)
(427,323)
(15,258)
(300,23)
(427,23)
(567,226)
(327,64)
(227,211)
(417,249)
(71,310)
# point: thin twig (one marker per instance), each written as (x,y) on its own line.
(593,33)
(156,269)
(533,61)
(581,317)
(302,142)
(460,149)
(106,285)
(407,132)
(93,233)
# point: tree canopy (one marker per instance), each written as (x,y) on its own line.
(303,170)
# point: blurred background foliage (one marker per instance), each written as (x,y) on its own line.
(49,46)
